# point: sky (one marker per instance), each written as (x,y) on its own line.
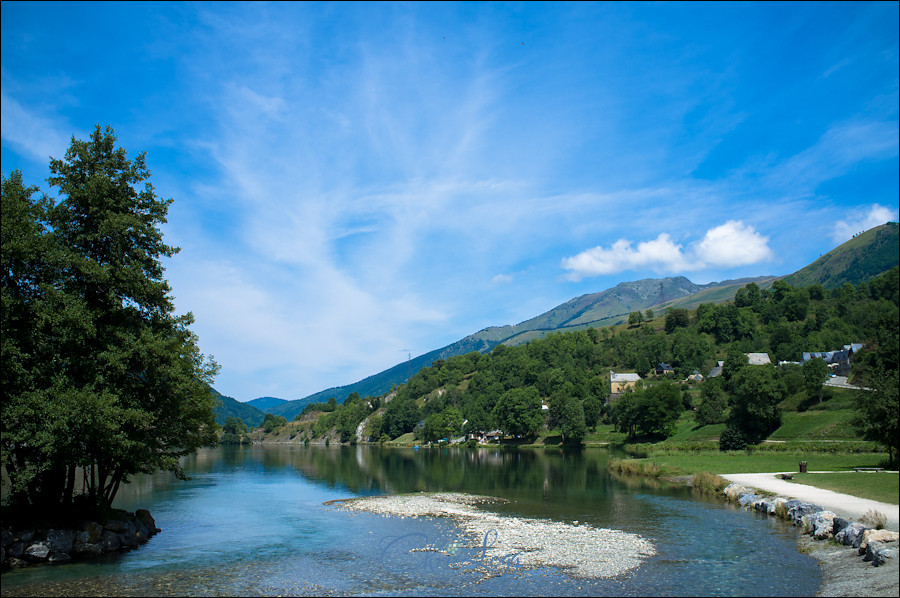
(355,183)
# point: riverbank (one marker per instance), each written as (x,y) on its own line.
(33,544)
(856,562)
(844,573)
(844,505)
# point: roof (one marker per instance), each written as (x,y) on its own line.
(624,377)
(758,358)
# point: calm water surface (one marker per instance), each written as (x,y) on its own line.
(251,521)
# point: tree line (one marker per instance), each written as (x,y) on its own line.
(569,371)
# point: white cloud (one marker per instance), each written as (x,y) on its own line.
(502,279)
(731,244)
(660,255)
(862,221)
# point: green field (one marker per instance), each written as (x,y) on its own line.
(690,462)
(882,486)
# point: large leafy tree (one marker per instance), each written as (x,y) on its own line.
(757,392)
(104,378)
(878,411)
(518,412)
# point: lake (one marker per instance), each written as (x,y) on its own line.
(252,521)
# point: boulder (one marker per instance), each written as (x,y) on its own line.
(16,549)
(37,552)
(747,499)
(876,535)
(110,541)
(116,526)
(822,525)
(86,549)
(93,529)
(851,535)
(797,512)
(774,504)
(881,556)
(60,540)
(144,516)
(733,491)
(16,562)
(59,557)
(6,538)
(840,524)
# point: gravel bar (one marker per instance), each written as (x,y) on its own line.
(582,550)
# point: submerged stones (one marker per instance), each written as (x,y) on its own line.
(876,545)
(87,539)
(518,542)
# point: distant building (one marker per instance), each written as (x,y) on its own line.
(716,371)
(695,377)
(758,359)
(663,369)
(618,382)
(838,361)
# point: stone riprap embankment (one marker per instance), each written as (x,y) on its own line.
(874,545)
(583,550)
(86,539)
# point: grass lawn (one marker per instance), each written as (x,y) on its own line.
(691,462)
(816,425)
(881,486)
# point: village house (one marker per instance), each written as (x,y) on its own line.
(664,368)
(758,359)
(619,382)
(838,361)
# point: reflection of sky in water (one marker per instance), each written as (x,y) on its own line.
(258,526)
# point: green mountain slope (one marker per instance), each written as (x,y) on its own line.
(265,404)
(863,257)
(605,308)
(229,407)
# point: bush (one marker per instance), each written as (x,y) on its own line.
(732,439)
(874,518)
(709,483)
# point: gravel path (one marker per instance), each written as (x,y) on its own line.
(585,551)
(849,507)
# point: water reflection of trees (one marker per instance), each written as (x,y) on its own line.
(372,469)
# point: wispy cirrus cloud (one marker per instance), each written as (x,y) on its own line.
(32,134)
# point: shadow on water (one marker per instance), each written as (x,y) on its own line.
(252,521)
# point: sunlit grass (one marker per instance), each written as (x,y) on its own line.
(880,486)
(718,462)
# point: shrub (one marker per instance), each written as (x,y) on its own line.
(709,483)
(874,518)
(732,439)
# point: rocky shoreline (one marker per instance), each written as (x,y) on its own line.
(856,559)
(32,545)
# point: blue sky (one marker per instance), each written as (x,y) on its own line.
(355,182)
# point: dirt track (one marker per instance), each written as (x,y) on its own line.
(849,507)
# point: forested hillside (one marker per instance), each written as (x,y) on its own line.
(570,372)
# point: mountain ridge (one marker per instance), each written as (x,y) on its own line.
(863,257)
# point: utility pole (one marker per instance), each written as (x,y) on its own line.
(408,363)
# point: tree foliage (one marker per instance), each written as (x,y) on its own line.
(757,392)
(878,411)
(99,373)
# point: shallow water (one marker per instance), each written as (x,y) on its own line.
(252,521)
